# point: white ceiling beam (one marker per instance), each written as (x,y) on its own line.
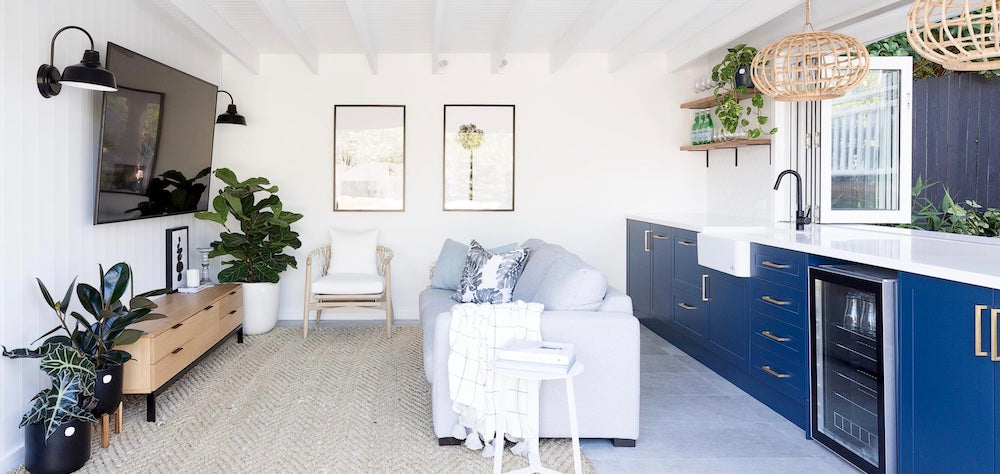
(436,36)
(502,45)
(229,39)
(651,33)
(570,41)
(725,31)
(284,20)
(362,27)
(877,25)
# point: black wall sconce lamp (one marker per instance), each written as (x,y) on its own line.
(231,117)
(87,75)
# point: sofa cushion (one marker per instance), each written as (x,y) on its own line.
(542,257)
(572,285)
(353,251)
(489,278)
(448,269)
(348,284)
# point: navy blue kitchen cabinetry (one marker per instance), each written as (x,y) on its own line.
(948,384)
(650,272)
(729,317)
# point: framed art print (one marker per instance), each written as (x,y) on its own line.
(177,256)
(478,158)
(369,150)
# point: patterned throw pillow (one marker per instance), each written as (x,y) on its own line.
(489,278)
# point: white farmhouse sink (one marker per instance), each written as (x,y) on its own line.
(725,252)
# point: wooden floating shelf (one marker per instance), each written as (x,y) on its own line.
(727,144)
(709,102)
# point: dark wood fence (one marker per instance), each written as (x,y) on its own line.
(956,136)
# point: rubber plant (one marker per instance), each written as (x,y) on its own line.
(257,250)
(733,114)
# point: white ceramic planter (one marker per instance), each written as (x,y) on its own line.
(260,307)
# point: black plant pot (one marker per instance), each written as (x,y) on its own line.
(743,76)
(108,390)
(67,450)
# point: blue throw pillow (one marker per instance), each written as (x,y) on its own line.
(451,261)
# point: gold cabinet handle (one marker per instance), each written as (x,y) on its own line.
(645,238)
(660,237)
(769,370)
(687,243)
(772,337)
(978,315)
(704,287)
(993,335)
(687,306)
(779,266)
(774,301)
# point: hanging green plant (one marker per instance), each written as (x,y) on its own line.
(731,78)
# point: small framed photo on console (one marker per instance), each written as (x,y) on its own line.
(177,257)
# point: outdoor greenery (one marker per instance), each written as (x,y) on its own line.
(898,45)
(950,216)
(728,108)
(257,250)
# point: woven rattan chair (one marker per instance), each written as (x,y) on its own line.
(327,291)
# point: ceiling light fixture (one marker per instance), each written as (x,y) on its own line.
(231,116)
(960,35)
(812,65)
(89,74)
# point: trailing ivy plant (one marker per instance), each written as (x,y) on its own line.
(257,249)
(923,68)
(733,114)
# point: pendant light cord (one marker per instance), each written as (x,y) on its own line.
(808,24)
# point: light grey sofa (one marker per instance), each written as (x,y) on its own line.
(598,321)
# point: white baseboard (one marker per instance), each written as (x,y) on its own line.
(13,458)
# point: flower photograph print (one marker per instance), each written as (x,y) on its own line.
(369,148)
(479,157)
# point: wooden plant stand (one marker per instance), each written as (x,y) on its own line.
(106,425)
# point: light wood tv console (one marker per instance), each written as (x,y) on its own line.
(196,323)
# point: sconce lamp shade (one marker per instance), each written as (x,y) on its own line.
(231,116)
(89,74)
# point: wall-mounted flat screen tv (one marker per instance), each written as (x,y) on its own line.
(156,140)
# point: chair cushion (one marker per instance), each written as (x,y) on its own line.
(451,261)
(489,278)
(572,285)
(353,251)
(543,256)
(348,284)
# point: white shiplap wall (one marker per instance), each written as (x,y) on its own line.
(47,172)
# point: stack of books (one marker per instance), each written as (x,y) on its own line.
(536,356)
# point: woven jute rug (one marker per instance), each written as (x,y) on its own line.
(344,400)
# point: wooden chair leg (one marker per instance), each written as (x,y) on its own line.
(305,321)
(318,312)
(387,304)
(118,417)
(105,431)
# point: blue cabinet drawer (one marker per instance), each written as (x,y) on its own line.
(779,337)
(781,266)
(784,376)
(690,313)
(779,301)
(686,268)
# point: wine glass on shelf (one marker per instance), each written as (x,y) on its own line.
(852,311)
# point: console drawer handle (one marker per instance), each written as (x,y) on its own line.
(177,350)
(774,301)
(779,266)
(772,337)
(209,307)
(687,243)
(175,326)
(232,292)
(769,370)
(687,306)
(232,312)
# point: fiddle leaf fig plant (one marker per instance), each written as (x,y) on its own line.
(733,114)
(257,249)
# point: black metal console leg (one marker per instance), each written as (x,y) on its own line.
(449,441)
(622,443)
(239,335)
(151,407)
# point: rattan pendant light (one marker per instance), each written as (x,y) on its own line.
(960,35)
(812,65)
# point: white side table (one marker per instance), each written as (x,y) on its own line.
(534,460)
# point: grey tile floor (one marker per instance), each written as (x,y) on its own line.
(694,421)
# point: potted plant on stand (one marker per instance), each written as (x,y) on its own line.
(57,425)
(256,251)
(732,79)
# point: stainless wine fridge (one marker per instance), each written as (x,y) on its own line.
(853,376)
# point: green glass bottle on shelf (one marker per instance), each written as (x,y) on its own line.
(709,128)
(694,128)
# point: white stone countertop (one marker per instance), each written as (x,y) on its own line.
(966,259)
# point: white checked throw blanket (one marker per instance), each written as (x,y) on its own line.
(477,330)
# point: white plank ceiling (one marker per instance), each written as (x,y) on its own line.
(685,30)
